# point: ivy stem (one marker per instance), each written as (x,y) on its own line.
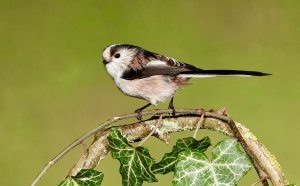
(158,124)
(199,124)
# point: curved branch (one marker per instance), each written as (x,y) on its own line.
(103,126)
(264,162)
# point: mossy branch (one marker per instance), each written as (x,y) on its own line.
(265,164)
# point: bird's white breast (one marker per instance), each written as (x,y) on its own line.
(155,89)
(115,70)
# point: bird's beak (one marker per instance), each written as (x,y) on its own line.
(105,62)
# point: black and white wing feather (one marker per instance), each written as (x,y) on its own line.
(146,64)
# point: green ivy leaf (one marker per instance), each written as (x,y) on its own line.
(169,160)
(85,177)
(229,164)
(135,162)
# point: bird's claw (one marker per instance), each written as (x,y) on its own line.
(173,110)
(171,106)
(139,114)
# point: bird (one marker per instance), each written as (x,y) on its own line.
(153,77)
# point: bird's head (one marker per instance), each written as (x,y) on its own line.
(119,54)
(118,57)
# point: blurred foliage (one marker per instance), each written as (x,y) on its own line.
(54,87)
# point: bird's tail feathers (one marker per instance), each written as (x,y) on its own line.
(218,73)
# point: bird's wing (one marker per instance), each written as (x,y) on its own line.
(147,64)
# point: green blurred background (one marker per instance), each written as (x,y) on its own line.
(54,87)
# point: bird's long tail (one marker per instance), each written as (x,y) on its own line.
(216,73)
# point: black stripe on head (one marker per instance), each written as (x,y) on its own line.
(140,51)
(116,48)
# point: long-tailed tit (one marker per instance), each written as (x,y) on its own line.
(153,77)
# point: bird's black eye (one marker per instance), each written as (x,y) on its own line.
(117,55)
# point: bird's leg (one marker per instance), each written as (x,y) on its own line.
(171,106)
(139,111)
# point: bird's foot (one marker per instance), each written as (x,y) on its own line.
(139,114)
(171,106)
(173,110)
(139,111)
